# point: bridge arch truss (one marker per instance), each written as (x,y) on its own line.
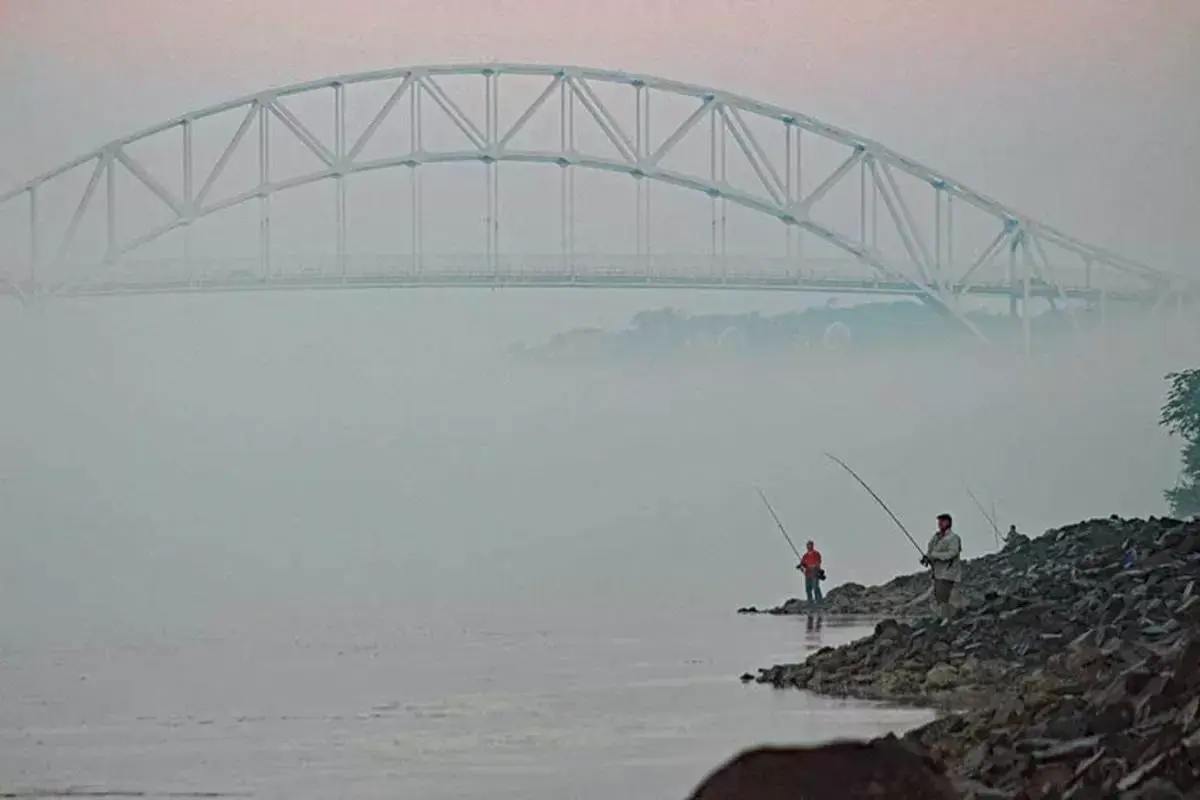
(891,240)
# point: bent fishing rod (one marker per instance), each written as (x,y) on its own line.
(782,529)
(882,504)
(991,518)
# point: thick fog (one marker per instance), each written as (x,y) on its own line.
(210,463)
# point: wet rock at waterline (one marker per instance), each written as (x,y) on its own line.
(1067,673)
(883,768)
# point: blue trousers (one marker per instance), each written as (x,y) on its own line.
(812,588)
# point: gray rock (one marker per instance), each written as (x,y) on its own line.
(941,676)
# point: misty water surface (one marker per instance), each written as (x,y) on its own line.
(248,536)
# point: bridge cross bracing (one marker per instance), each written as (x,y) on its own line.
(892,224)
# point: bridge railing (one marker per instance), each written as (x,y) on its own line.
(584,268)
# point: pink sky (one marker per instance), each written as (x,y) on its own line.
(830,41)
(1082,111)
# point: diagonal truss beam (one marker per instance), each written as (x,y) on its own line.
(905,221)
(148,180)
(604,118)
(84,202)
(1045,269)
(301,131)
(460,120)
(986,257)
(759,161)
(369,132)
(685,127)
(554,85)
(801,208)
(892,204)
(223,160)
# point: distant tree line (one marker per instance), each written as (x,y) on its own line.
(1181,417)
(668,331)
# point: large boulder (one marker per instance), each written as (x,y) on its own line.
(883,768)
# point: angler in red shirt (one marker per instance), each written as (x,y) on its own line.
(810,563)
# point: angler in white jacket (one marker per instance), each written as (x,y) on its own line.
(944,555)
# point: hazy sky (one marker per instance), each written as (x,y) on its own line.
(1079,112)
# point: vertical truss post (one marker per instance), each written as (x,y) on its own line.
(417,221)
(862,201)
(339,146)
(570,172)
(111,252)
(642,147)
(639,150)
(35,246)
(264,196)
(562,174)
(487,216)
(798,188)
(712,179)
(787,189)
(1026,316)
(724,200)
(647,225)
(495,169)
(950,233)
(491,175)
(414,192)
(492,139)
(488,178)
(869,163)
(418,176)
(189,196)
(1012,274)
(937,231)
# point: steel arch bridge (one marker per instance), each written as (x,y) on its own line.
(888,245)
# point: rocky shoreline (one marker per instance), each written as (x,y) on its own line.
(903,596)
(1067,673)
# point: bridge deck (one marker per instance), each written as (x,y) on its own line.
(565,279)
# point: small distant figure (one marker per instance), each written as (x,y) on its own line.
(1013,538)
(1130,557)
(943,555)
(810,563)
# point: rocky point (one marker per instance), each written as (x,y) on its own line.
(1071,671)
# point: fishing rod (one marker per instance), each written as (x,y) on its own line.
(899,524)
(782,529)
(991,518)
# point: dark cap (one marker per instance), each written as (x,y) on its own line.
(946,517)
